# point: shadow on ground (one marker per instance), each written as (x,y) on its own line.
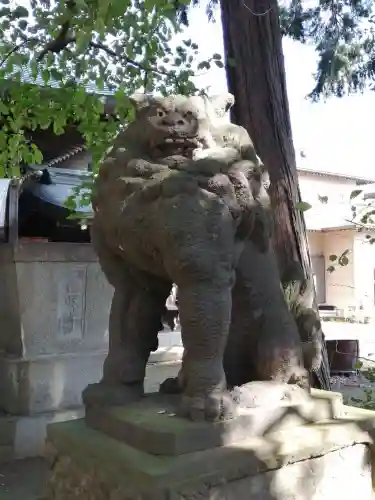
(23,479)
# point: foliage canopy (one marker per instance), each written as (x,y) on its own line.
(58,59)
(342,32)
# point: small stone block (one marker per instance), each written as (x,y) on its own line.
(151,424)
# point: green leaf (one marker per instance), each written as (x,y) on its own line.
(22,24)
(37,155)
(355,193)
(19,12)
(343,261)
(218,63)
(303,206)
(4,12)
(330,269)
(332,258)
(204,65)
(46,76)
(4,110)
(323,199)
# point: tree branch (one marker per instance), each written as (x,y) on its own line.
(63,39)
(12,51)
(58,44)
(112,53)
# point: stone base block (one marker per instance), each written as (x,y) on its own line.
(331,459)
(24,435)
(151,424)
(47,383)
(54,383)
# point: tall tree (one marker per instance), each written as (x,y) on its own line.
(256,76)
(344,39)
(343,34)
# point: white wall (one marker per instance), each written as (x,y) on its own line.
(351,285)
(364,265)
(337,189)
(340,284)
(316,243)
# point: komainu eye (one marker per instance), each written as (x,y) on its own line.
(160,113)
(188,114)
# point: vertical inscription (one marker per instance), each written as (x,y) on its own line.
(71,302)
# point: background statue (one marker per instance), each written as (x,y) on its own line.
(182,198)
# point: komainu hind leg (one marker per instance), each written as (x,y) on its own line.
(134,324)
(263,332)
(135,320)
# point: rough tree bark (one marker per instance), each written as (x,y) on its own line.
(256,76)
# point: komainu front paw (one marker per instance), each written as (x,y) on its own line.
(212,407)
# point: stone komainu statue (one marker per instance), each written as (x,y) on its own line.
(182,198)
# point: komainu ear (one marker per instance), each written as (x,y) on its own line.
(139,100)
(222,103)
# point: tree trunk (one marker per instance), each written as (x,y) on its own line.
(256,77)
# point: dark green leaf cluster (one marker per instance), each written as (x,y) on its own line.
(342,32)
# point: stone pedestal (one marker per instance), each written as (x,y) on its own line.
(54,309)
(158,456)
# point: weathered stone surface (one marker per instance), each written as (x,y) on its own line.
(181,197)
(316,462)
(53,383)
(35,305)
(342,474)
(54,338)
(47,383)
(151,425)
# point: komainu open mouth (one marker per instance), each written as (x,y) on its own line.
(171,146)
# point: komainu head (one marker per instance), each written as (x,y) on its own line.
(177,124)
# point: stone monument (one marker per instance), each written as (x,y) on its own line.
(182,198)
